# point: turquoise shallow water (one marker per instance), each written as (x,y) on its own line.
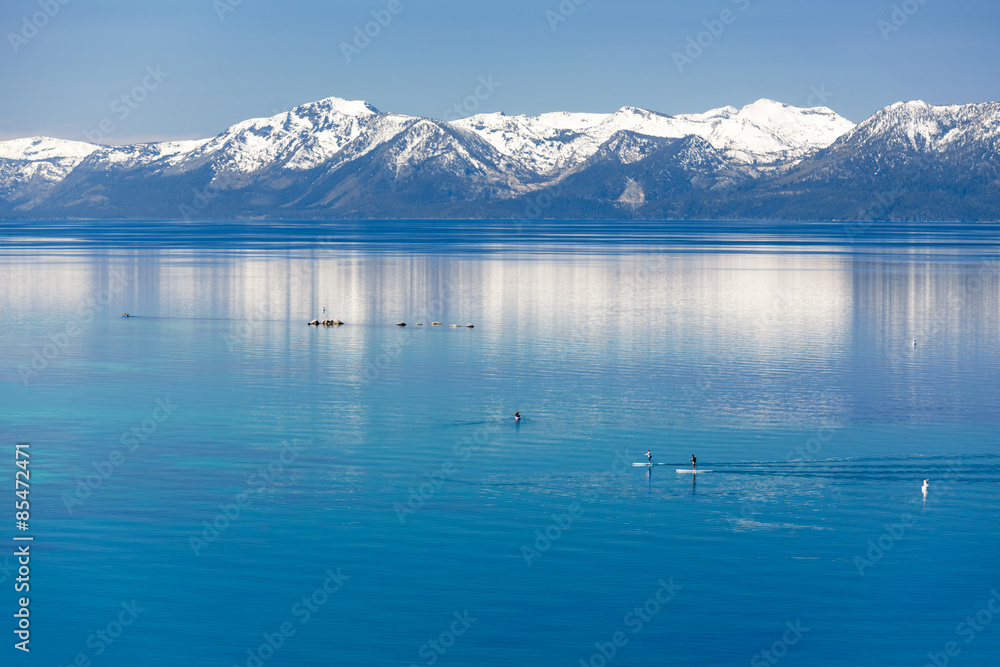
(376,470)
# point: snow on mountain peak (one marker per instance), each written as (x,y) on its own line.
(764,132)
(41,159)
(340,156)
(720,113)
(330,132)
(542,144)
(45,148)
(917,125)
(768,111)
(768,131)
(567,120)
(301,138)
(341,106)
(309,114)
(637,111)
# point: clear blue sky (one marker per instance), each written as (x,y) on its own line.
(267,56)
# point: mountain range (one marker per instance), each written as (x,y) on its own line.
(336,158)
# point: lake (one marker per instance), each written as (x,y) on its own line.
(216,482)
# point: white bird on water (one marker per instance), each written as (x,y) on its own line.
(924,487)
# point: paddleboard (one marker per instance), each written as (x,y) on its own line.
(646,464)
(691,471)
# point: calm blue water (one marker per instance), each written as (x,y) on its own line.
(384,463)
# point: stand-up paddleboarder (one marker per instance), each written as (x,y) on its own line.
(694,462)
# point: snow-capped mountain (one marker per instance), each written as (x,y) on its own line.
(629,170)
(45,148)
(29,168)
(920,126)
(907,133)
(341,158)
(908,161)
(764,133)
(303,138)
